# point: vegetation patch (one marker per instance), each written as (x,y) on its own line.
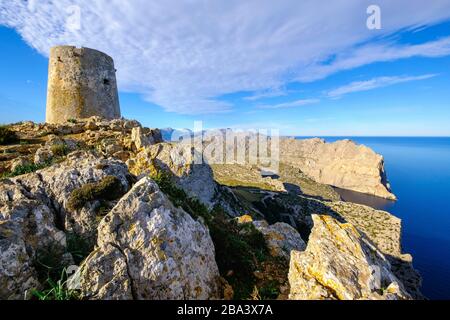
(52,275)
(109,188)
(56,290)
(25,169)
(7,136)
(59,150)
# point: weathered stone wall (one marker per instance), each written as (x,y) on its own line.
(81,83)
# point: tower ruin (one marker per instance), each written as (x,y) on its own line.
(81,84)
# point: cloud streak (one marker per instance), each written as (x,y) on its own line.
(375,83)
(184,55)
(292,104)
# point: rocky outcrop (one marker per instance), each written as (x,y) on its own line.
(43,144)
(280,238)
(54,185)
(145,137)
(245,176)
(35,216)
(383,229)
(193,176)
(27,226)
(342,164)
(148,249)
(295,181)
(341,263)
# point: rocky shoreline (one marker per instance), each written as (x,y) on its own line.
(132,217)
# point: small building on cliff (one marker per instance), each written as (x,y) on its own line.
(81,84)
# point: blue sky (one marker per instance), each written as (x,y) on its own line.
(300,68)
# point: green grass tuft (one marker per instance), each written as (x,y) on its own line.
(29,168)
(56,290)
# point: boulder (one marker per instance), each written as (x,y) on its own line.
(54,186)
(195,178)
(143,137)
(148,249)
(281,238)
(341,263)
(27,227)
(384,230)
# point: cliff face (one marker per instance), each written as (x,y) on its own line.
(139,220)
(342,164)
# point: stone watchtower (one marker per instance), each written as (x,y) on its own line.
(81,84)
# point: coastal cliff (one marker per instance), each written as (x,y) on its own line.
(342,164)
(132,217)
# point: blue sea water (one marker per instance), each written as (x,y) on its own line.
(418,170)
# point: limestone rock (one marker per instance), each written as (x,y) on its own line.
(343,164)
(383,229)
(42,155)
(281,238)
(178,160)
(27,226)
(341,263)
(244,219)
(143,138)
(54,185)
(148,249)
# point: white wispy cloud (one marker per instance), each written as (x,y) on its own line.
(291,104)
(184,54)
(270,93)
(375,83)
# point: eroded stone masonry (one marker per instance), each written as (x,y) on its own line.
(81,83)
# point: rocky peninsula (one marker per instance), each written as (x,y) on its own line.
(132,217)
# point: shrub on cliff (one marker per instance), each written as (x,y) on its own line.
(110,188)
(59,150)
(7,136)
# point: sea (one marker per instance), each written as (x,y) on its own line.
(418,170)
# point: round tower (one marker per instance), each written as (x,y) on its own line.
(81,83)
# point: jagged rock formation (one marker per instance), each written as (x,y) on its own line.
(148,249)
(281,238)
(113,138)
(384,230)
(54,186)
(341,263)
(195,178)
(81,84)
(27,225)
(341,164)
